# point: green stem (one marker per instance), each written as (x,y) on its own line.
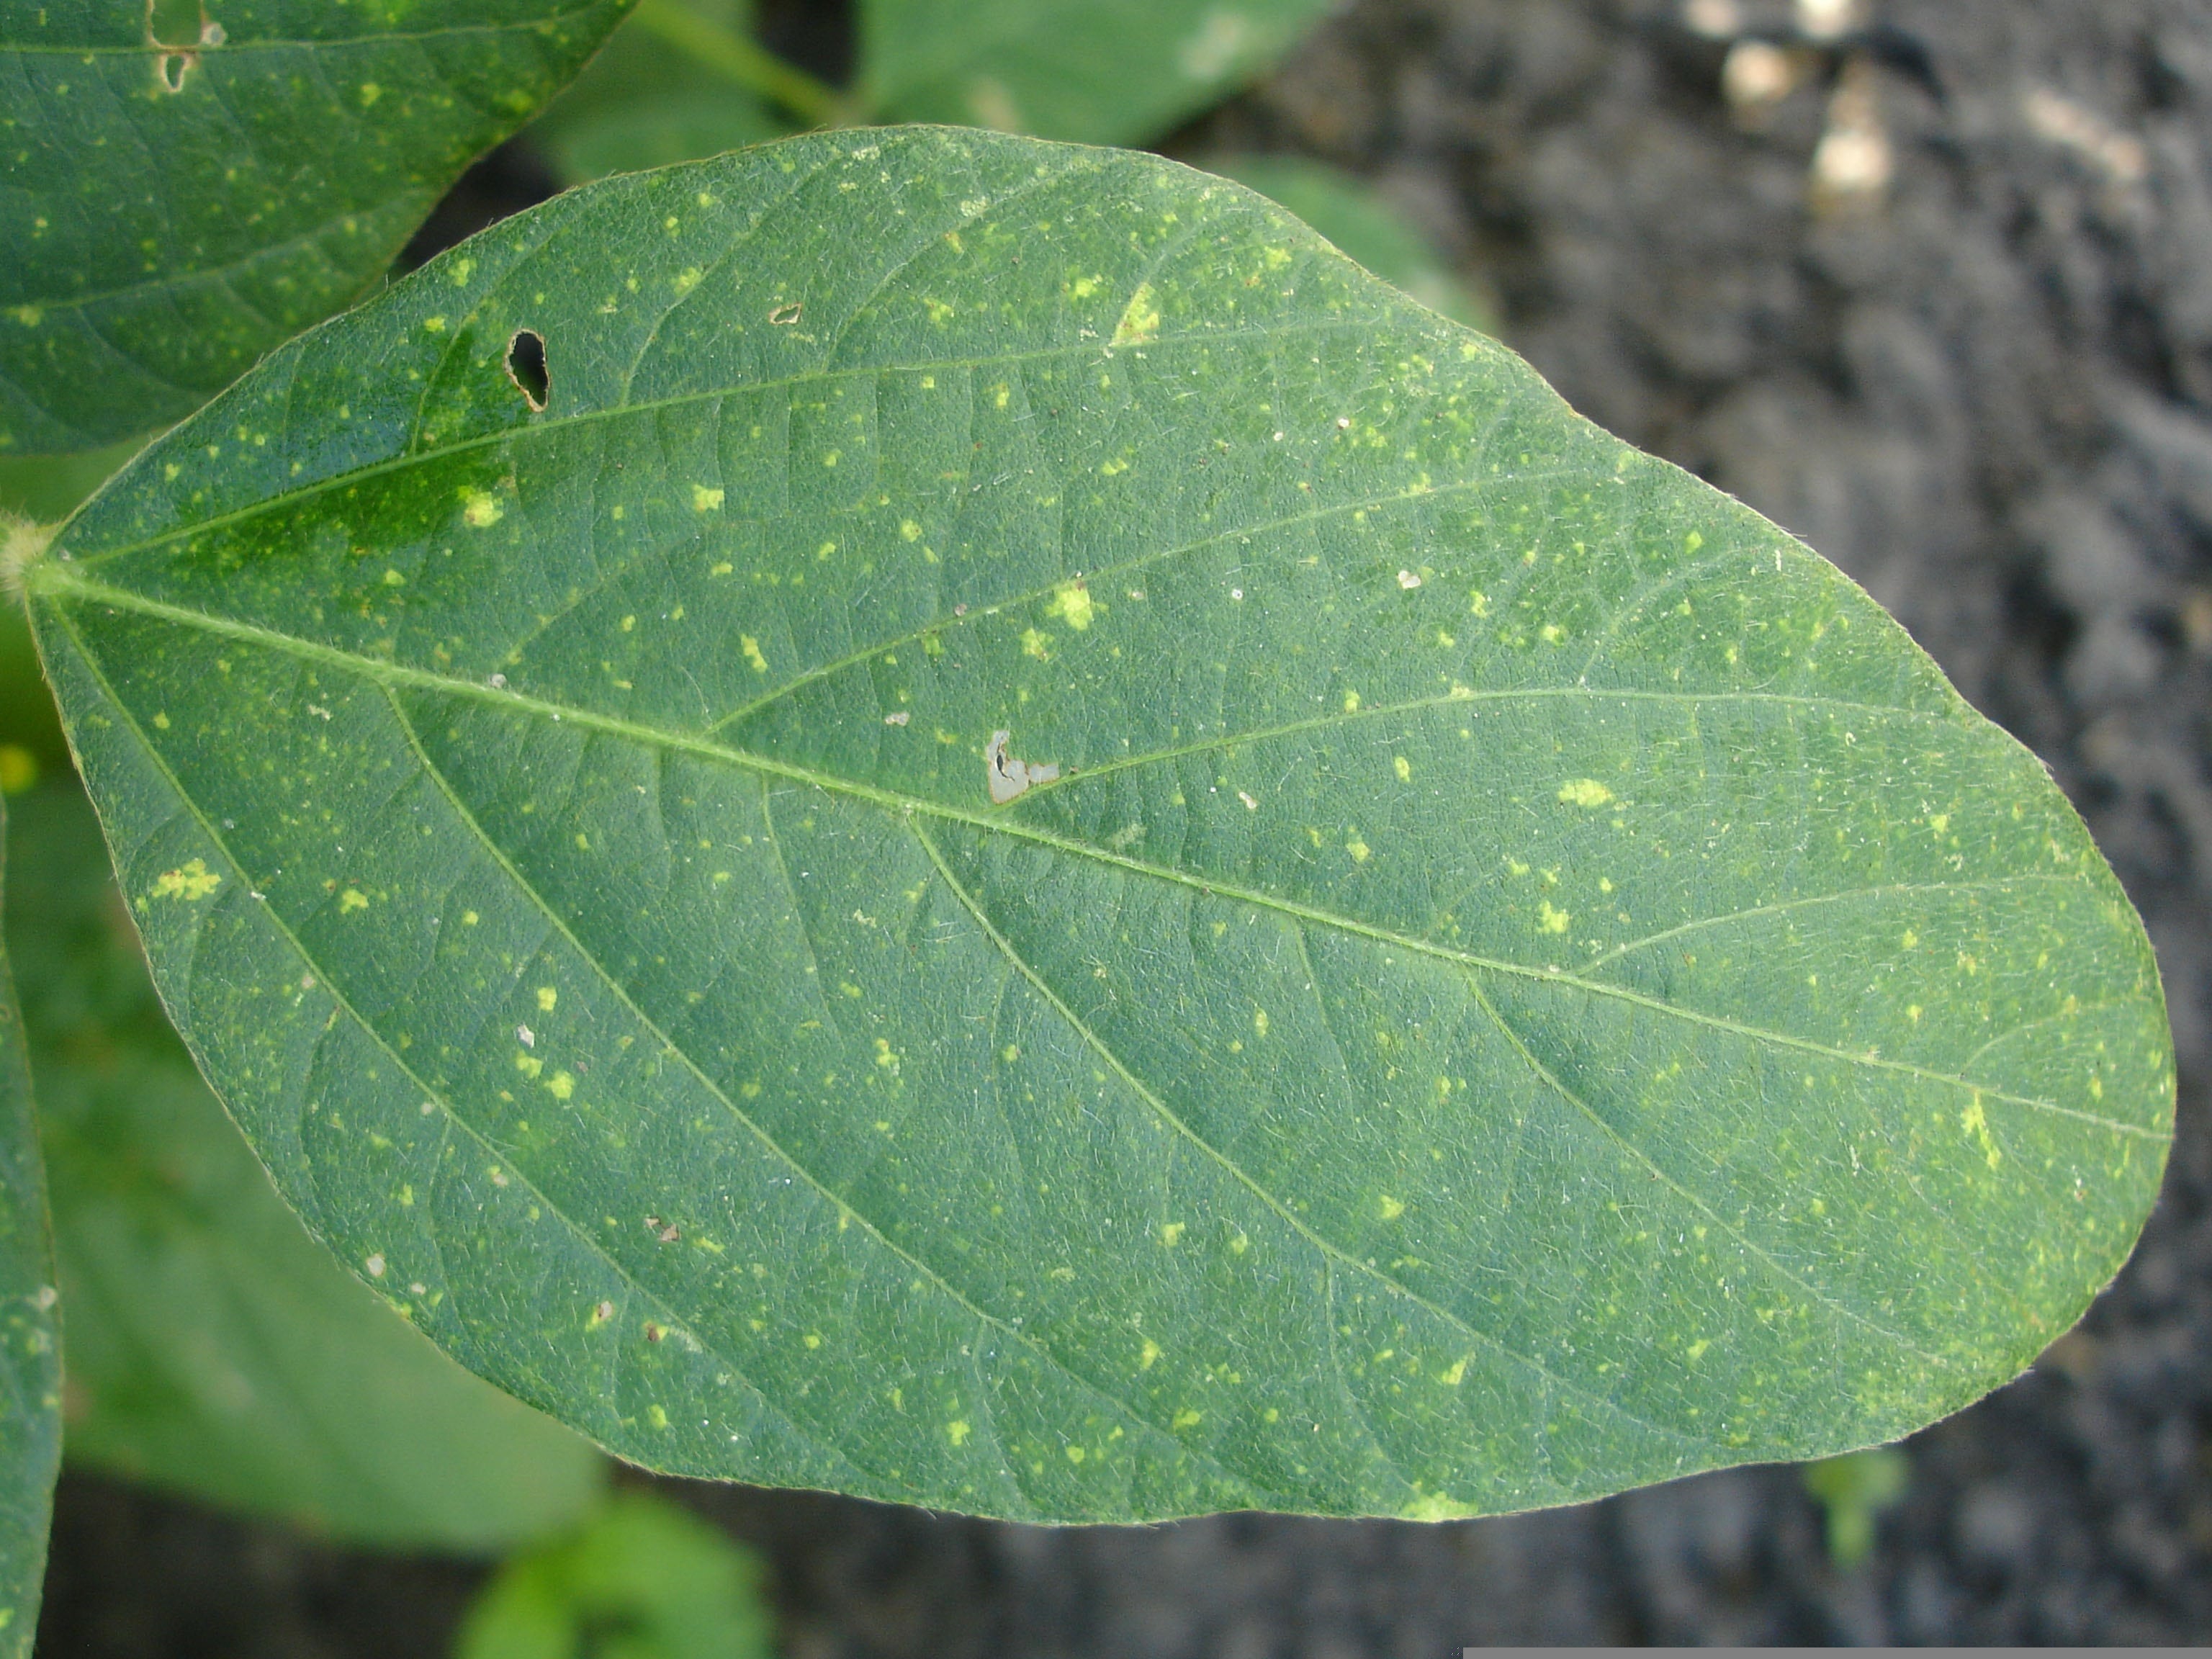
(746,62)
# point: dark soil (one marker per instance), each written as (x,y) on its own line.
(1989,397)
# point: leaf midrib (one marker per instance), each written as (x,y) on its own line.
(51,576)
(1482,1338)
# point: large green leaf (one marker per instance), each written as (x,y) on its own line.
(213,1347)
(30,1342)
(1524,982)
(174,204)
(1112,73)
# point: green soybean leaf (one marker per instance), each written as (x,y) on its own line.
(671,1585)
(30,1342)
(1038,850)
(1346,209)
(645,103)
(213,1347)
(180,192)
(1070,69)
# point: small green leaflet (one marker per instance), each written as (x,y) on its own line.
(1524,980)
(183,188)
(1070,69)
(213,1348)
(30,1342)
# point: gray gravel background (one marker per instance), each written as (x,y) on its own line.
(1988,398)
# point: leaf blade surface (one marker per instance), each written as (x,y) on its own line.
(1498,975)
(215,1348)
(175,208)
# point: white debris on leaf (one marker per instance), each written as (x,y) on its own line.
(1008,777)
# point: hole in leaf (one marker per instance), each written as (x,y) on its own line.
(173,69)
(173,23)
(525,367)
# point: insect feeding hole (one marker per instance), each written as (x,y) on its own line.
(525,367)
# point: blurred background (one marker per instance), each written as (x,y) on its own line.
(1929,282)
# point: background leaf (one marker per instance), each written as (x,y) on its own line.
(173,208)
(644,103)
(30,1342)
(645,1576)
(1070,69)
(1074,864)
(1348,210)
(213,1346)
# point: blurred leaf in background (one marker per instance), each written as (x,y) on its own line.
(213,1346)
(648,101)
(30,1354)
(641,1579)
(1363,223)
(1855,1489)
(1119,74)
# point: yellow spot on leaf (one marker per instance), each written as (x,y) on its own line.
(547,996)
(1140,319)
(1585,791)
(1186,1419)
(1434,1506)
(1552,921)
(1403,767)
(1171,1234)
(1070,602)
(706,498)
(352,899)
(1392,1207)
(751,647)
(1150,1356)
(1453,1374)
(1975,1123)
(480,511)
(562,1085)
(1358,849)
(1037,645)
(957,1432)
